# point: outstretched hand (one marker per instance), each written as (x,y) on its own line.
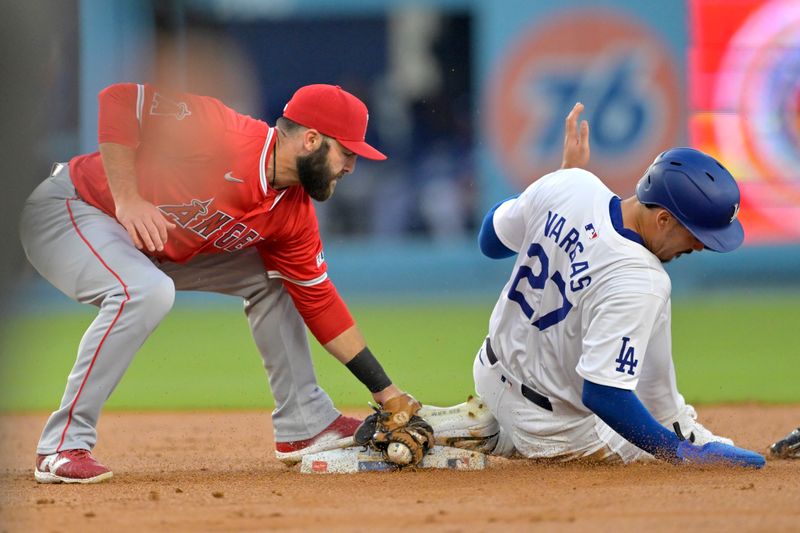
(576,140)
(397,431)
(718,453)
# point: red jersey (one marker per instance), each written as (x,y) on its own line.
(204,166)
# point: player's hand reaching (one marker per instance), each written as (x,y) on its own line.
(718,453)
(396,430)
(576,140)
(146,225)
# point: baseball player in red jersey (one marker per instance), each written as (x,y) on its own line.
(187,194)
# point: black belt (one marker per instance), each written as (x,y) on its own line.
(529,393)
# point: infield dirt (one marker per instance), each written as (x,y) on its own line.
(215,471)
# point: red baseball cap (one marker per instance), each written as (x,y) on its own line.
(334,112)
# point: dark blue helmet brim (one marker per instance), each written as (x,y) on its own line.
(725,239)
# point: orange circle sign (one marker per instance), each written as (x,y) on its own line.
(624,75)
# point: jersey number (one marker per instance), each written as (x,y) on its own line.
(538,281)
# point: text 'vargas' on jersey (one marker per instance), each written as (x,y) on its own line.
(583,301)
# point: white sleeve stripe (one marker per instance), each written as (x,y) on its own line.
(274,274)
(277,199)
(262,169)
(139,102)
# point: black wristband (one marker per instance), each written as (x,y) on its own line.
(369,371)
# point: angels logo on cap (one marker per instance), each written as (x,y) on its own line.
(334,112)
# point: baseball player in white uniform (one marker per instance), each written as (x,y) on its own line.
(577,363)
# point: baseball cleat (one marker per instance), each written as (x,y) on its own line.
(70,466)
(788,447)
(469,425)
(694,431)
(337,435)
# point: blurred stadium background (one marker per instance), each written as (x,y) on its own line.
(467,97)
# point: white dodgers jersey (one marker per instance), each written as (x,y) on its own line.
(583,301)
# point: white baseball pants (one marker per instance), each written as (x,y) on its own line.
(530,431)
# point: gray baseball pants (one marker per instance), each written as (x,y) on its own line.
(89,257)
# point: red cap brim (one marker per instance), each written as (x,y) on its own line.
(363,149)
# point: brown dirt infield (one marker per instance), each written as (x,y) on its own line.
(199,471)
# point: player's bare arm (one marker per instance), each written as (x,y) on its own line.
(146,225)
(576,140)
(394,429)
(346,347)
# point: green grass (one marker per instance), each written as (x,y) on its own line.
(736,349)
(725,350)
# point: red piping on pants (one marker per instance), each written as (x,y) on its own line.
(99,346)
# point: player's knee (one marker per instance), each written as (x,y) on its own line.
(155,297)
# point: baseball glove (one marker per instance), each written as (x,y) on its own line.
(396,422)
(788,447)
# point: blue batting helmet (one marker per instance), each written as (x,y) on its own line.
(697,190)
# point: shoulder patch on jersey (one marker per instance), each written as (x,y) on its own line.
(590,231)
(320,258)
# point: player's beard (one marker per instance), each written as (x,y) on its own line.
(315,174)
